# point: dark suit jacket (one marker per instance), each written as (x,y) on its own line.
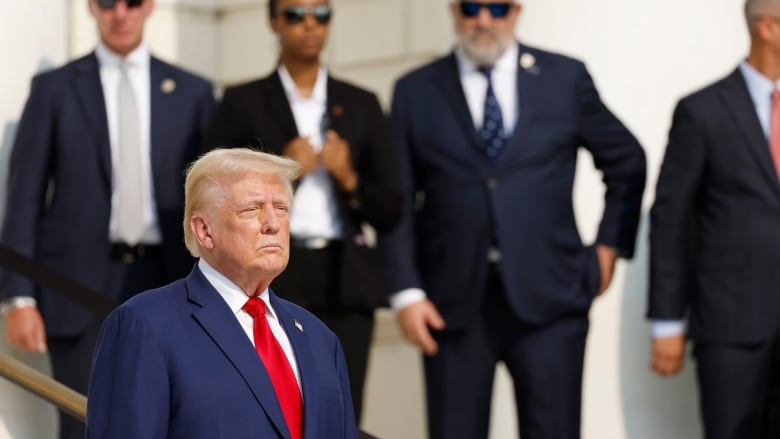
(59,186)
(524,200)
(715,224)
(259,112)
(175,363)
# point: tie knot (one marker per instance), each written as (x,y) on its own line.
(255,307)
(485,70)
(775,95)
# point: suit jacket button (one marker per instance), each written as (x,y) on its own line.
(491,183)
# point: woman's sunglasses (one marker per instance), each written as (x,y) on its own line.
(296,14)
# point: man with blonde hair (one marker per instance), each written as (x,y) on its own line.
(715,240)
(179,361)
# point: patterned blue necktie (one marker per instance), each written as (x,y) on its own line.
(492,131)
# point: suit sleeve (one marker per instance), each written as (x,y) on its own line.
(617,153)
(378,194)
(128,389)
(204,114)
(672,219)
(28,179)
(398,247)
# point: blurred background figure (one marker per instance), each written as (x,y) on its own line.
(715,240)
(487,264)
(95,188)
(338,134)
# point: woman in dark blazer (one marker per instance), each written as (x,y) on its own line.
(348,193)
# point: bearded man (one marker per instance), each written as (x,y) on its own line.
(487,264)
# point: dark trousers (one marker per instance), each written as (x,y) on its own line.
(545,363)
(739,389)
(71,357)
(312,280)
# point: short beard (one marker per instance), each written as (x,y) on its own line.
(483,56)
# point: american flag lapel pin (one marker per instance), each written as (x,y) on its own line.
(298,325)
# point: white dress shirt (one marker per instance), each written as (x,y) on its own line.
(139,75)
(314,212)
(504,77)
(236,298)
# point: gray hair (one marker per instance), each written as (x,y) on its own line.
(757,8)
(207,176)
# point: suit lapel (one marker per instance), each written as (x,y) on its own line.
(527,86)
(451,88)
(221,325)
(306,366)
(162,108)
(335,107)
(278,107)
(738,101)
(89,92)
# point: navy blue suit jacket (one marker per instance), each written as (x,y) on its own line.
(59,185)
(715,223)
(457,200)
(175,363)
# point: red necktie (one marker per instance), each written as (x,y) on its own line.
(275,361)
(774,133)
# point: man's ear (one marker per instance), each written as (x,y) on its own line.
(201,230)
(91,6)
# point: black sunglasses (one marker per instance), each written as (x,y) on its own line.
(109,4)
(497,10)
(296,14)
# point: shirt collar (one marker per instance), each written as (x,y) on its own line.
(138,57)
(319,93)
(759,86)
(229,291)
(506,63)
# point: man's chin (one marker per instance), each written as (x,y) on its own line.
(485,54)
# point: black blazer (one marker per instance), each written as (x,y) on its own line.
(715,224)
(59,185)
(524,200)
(258,113)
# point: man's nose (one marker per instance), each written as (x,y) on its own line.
(270,221)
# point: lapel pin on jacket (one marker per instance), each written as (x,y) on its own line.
(337,110)
(298,325)
(168,85)
(528,63)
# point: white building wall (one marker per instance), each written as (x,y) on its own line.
(643,56)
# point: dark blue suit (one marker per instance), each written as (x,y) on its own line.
(59,190)
(175,363)
(523,204)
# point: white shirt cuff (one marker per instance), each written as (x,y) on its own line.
(667,328)
(406,297)
(16,302)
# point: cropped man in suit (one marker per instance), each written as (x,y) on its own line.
(338,133)
(715,240)
(179,361)
(95,186)
(487,264)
